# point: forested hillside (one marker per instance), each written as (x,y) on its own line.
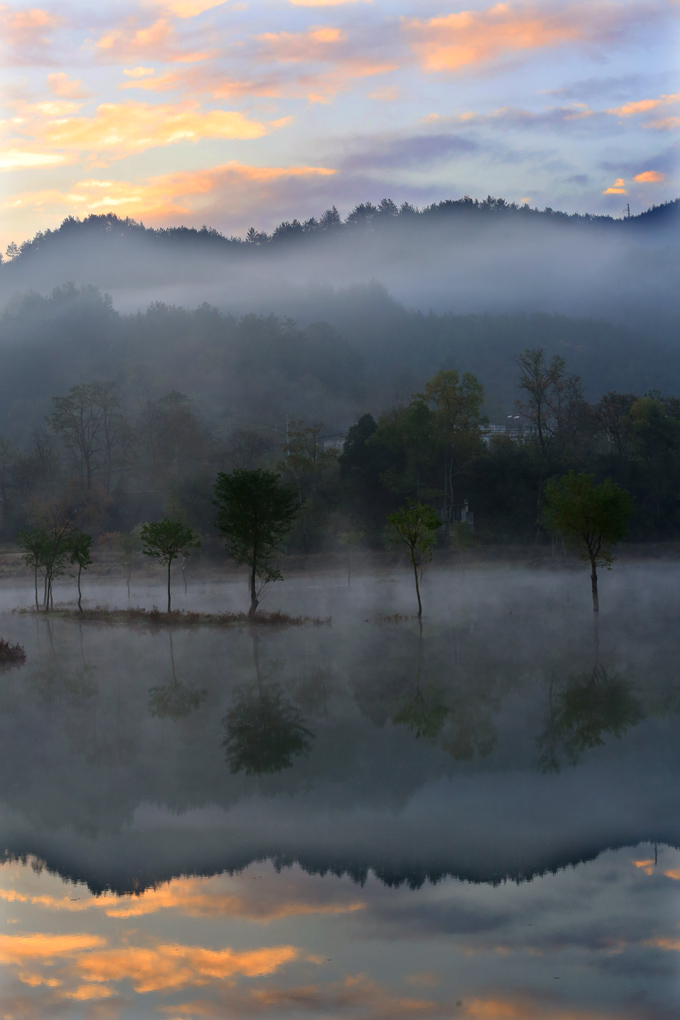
(118,408)
(254,370)
(464,257)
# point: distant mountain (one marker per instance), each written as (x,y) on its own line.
(460,256)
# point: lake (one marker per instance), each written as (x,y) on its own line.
(479,818)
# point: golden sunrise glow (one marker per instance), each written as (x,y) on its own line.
(117,129)
(379,72)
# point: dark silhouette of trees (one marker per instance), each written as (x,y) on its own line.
(90,424)
(166,540)
(264,731)
(255,512)
(591,519)
(415,526)
(80,547)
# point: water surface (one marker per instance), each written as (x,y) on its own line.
(361,820)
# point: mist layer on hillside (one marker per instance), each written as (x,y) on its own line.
(460,259)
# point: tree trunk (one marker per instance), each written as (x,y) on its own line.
(80,594)
(254,603)
(36,588)
(415,574)
(172,659)
(169,600)
(349,568)
(593,580)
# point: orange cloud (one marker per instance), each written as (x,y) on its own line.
(356,995)
(177,966)
(526,1009)
(674,874)
(185,8)
(242,190)
(118,129)
(157,42)
(138,72)
(317,44)
(650,177)
(618,188)
(22,948)
(63,87)
(192,897)
(201,81)
(469,38)
(647,865)
(664,124)
(668,945)
(323,3)
(630,109)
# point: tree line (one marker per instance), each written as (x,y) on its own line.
(364,216)
(562,466)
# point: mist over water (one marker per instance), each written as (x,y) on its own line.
(399,778)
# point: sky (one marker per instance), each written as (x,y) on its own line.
(238,113)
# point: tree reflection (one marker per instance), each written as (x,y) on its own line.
(174,700)
(472,731)
(264,731)
(424,712)
(593,705)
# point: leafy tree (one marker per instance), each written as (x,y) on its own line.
(614,419)
(166,540)
(305,462)
(554,408)
(80,545)
(416,526)
(591,519)
(93,429)
(34,543)
(47,543)
(407,433)
(255,513)
(127,545)
(457,423)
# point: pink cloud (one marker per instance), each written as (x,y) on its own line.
(25,34)
(62,86)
